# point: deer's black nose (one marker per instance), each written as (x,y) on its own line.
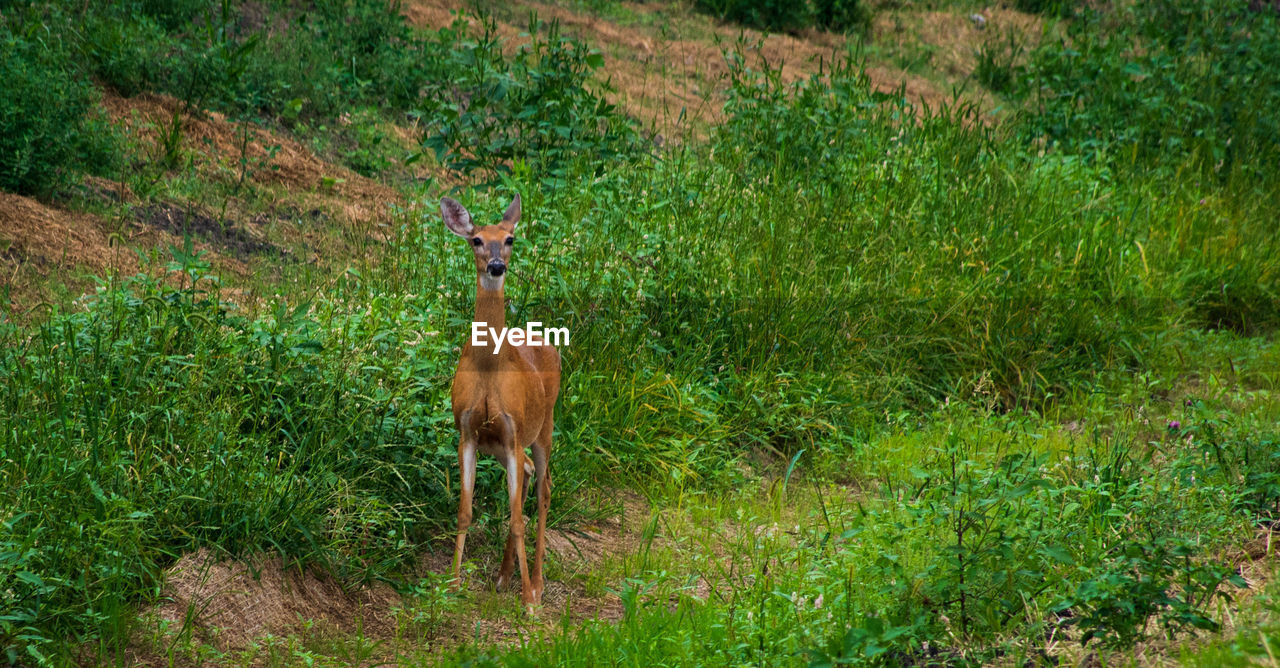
(497,268)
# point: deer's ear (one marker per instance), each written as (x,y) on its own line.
(512,216)
(456,217)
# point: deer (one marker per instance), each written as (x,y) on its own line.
(503,401)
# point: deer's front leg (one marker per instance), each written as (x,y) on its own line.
(541,464)
(514,460)
(467,466)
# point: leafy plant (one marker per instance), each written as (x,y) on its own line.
(842,15)
(1163,579)
(538,108)
(791,15)
(50,126)
(1163,82)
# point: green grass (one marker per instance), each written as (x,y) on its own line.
(961,357)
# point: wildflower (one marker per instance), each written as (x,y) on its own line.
(1174,425)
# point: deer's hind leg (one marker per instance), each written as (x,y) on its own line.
(542,473)
(467,467)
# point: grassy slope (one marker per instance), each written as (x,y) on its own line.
(882,348)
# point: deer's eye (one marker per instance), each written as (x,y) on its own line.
(510,240)
(475,241)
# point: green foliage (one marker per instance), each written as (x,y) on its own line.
(260,58)
(998,67)
(961,558)
(488,113)
(842,15)
(906,299)
(1164,82)
(1254,640)
(1145,580)
(783,15)
(49,129)
(173,423)
(791,15)
(1058,8)
(998,551)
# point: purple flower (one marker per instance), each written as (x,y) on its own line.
(1174,425)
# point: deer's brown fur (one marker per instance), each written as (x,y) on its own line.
(503,402)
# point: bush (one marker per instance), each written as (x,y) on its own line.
(312,63)
(173,423)
(535,108)
(1164,82)
(842,15)
(791,15)
(49,127)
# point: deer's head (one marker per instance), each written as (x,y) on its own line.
(491,244)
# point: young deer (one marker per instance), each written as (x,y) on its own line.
(502,401)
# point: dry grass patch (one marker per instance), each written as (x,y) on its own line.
(42,245)
(954,37)
(233,152)
(231,604)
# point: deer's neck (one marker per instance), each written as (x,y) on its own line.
(491,309)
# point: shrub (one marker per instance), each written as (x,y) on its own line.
(782,15)
(791,15)
(1164,82)
(842,15)
(485,114)
(174,423)
(49,127)
(998,67)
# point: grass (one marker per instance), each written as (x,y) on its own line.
(903,387)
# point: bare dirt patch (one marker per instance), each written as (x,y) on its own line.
(230,603)
(180,221)
(42,245)
(34,233)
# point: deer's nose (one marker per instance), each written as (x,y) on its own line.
(497,268)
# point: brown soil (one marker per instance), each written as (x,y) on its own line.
(41,236)
(41,245)
(180,221)
(231,604)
